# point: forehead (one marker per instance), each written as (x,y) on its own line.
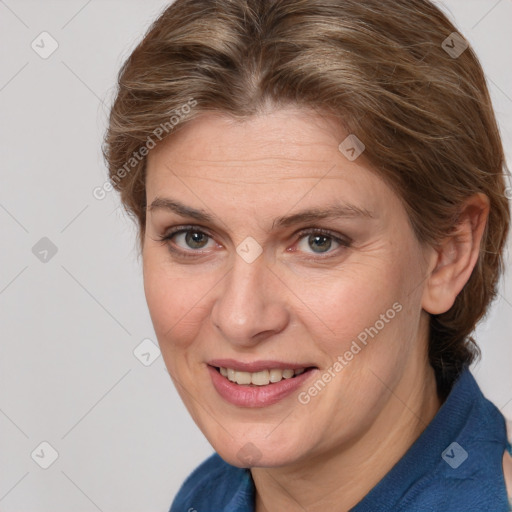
(291,135)
(290,153)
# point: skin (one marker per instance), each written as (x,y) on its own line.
(297,302)
(507,463)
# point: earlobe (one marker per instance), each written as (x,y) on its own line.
(455,257)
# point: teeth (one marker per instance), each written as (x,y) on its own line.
(288,374)
(242,377)
(276,375)
(259,378)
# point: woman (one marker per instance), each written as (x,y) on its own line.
(320,194)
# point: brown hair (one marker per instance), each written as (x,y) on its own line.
(379,66)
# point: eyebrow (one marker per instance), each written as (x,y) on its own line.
(313,214)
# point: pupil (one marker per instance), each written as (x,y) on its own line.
(322,245)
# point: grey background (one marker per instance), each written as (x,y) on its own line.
(71,322)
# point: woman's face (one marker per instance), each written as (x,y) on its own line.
(296,258)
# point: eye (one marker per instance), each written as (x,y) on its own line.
(320,241)
(192,239)
(187,239)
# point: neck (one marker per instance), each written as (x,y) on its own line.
(339,479)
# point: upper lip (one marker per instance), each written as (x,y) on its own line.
(257,366)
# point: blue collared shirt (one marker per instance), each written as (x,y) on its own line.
(454,466)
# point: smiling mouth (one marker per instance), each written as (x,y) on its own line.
(261,378)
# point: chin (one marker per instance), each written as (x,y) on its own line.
(251,455)
(246,451)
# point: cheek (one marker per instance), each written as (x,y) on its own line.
(375,319)
(354,299)
(174,300)
(372,319)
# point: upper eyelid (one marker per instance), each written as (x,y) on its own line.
(206,231)
(184,229)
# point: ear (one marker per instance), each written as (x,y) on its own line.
(454,258)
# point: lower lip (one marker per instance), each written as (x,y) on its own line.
(256,396)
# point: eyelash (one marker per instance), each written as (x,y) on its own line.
(165,239)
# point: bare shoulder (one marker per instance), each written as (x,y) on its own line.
(507,463)
(507,472)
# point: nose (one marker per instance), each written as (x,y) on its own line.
(251,304)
